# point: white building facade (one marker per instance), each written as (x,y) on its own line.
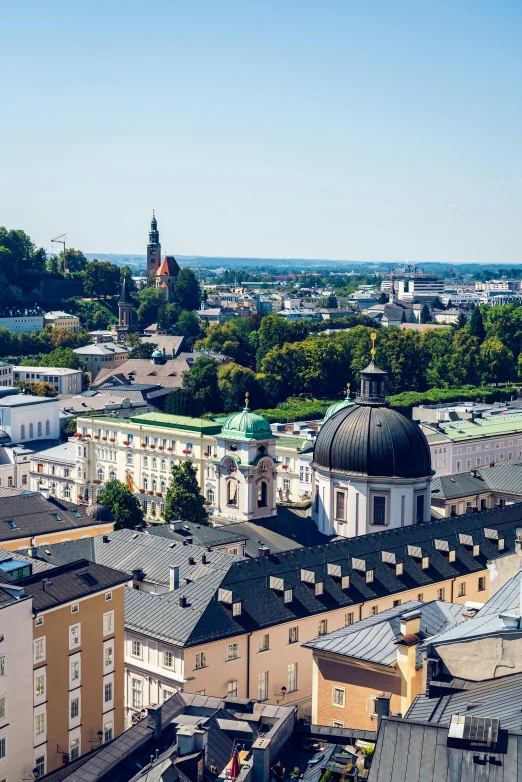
(65,381)
(25,418)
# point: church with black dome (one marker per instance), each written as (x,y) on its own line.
(372,465)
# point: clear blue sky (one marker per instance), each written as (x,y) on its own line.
(347,129)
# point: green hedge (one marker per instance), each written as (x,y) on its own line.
(408,399)
(297,410)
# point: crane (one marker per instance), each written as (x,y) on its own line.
(61,240)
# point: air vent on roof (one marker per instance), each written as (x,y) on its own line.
(88,579)
(476,730)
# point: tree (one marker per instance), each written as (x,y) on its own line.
(168,315)
(497,361)
(383,298)
(476,325)
(180,402)
(461,322)
(62,357)
(123,504)
(184,500)
(101,279)
(132,340)
(234,381)
(126,271)
(151,300)
(437,304)
(403,317)
(143,350)
(74,260)
(187,292)
(188,324)
(425,316)
(330,302)
(201,381)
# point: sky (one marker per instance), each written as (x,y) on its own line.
(345,129)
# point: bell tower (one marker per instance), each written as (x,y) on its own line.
(153,248)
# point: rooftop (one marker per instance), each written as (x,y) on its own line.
(101,349)
(47,370)
(178,422)
(65,453)
(492,426)
(27,514)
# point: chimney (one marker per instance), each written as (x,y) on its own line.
(192,561)
(45,493)
(430,672)
(154,722)
(137,576)
(263,551)
(203,559)
(410,622)
(183,601)
(174,577)
(382,706)
(32,551)
(105,538)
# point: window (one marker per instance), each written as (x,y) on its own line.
(264,643)
(288,595)
(39,686)
(440,593)
(348,619)
(3,748)
(22,432)
(232,689)
(108,595)
(2,707)
(39,765)
(425,563)
(107,656)
(292,677)
(420,597)
(293,635)
(107,692)
(200,692)
(39,649)
(137,700)
(419,508)
(75,670)
(319,588)
(396,603)
(236,608)
(47,428)
(75,708)
(39,429)
(340,505)
(232,493)
(107,732)
(459,466)
(66,492)
(39,724)
(369,576)
(2,664)
(262,494)
(262,686)
(136,648)
(374,610)
(168,659)
(74,749)
(74,636)
(323,627)
(338,696)
(379,510)
(201,660)
(337,724)
(462,589)
(233,651)
(481,583)
(108,622)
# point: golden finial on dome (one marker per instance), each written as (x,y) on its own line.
(246,399)
(373,337)
(348,390)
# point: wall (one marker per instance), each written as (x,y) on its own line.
(57,537)
(485,658)
(94,674)
(17,687)
(361,682)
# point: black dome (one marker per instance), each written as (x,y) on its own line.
(373,440)
(99,512)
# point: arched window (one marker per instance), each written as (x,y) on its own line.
(210,495)
(163,465)
(154,485)
(232,493)
(79,471)
(22,432)
(31,431)
(145,483)
(47,427)
(53,488)
(129,457)
(39,429)
(67,492)
(262,494)
(100,474)
(162,487)
(154,460)
(145,461)
(112,476)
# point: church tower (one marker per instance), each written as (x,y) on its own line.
(125,311)
(153,248)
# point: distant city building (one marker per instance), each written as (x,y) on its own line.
(22,321)
(100,356)
(65,381)
(6,374)
(62,320)
(24,418)
(450,316)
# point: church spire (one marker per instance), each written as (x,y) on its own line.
(373,386)
(153,247)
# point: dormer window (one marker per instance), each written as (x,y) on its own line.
(369,576)
(399,569)
(319,588)
(345,582)
(288,595)
(425,563)
(236,608)
(476,550)
(452,555)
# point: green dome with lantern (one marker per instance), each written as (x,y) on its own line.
(157,357)
(341,405)
(246,425)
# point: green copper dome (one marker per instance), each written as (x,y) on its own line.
(246,425)
(333,409)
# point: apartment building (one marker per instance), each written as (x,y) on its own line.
(27,418)
(62,320)
(464,445)
(104,355)
(65,381)
(6,374)
(22,321)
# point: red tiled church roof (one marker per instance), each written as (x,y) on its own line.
(169,267)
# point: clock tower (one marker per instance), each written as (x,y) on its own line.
(153,248)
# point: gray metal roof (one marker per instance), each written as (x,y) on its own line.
(461,484)
(201,534)
(62,454)
(374,639)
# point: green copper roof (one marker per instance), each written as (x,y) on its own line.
(178,422)
(333,409)
(492,426)
(246,425)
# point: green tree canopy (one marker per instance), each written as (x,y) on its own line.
(184,500)
(187,292)
(425,316)
(143,350)
(476,325)
(62,357)
(123,504)
(330,301)
(74,260)
(498,361)
(101,279)
(187,324)
(201,381)
(234,381)
(180,402)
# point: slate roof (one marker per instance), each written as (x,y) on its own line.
(461,484)
(126,550)
(413,751)
(374,639)
(491,426)
(37,565)
(142,371)
(503,477)
(498,697)
(34,515)
(201,534)
(65,453)
(66,583)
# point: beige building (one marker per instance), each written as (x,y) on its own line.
(104,355)
(62,320)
